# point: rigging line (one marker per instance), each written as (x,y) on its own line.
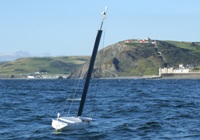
(90,69)
(104,34)
(93,102)
(100,63)
(103,43)
(75,91)
(68,97)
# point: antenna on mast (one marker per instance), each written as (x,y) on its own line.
(103,16)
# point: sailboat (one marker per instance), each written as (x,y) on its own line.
(79,121)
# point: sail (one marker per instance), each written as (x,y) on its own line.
(89,74)
(92,60)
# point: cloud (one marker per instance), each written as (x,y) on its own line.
(14,56)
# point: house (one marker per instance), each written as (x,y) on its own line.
(30,77)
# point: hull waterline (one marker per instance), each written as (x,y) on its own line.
(70,123)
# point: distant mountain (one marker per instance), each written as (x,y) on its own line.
(141,57)
(14,56)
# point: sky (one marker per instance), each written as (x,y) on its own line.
(69,27)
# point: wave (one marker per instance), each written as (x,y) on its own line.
(73,99)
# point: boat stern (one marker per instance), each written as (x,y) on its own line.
(58,125)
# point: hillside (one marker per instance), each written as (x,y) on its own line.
(135,58)
(48,65)
(123,59)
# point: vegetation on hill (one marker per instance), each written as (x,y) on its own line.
(50,65)
(125,58)
(135,58)
(175,53)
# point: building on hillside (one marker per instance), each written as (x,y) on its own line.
(30,77)
(146,40)
(180,69)
(127,41)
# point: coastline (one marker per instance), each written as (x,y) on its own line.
(163,76)
(181,76)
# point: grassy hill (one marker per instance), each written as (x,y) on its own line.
(124,58)
(134,58)
(50,65)
(175,52)
(149,57)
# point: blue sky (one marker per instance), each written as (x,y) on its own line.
(69,27)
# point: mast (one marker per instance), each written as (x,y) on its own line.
(91,65)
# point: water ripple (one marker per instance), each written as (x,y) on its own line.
(122,109)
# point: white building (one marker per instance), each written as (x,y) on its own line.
(30,77)
(180,69)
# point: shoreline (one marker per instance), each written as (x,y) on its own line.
(177,77)
(162,76)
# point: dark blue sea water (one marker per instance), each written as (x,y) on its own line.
(122,109)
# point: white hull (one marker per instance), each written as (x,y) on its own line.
(81,122)
(70,123)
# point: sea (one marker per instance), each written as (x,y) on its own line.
(122,109)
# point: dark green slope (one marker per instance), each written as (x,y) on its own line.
(137,59)
(50,65)
(120,59)
(175,53)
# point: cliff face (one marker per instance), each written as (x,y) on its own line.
(137,59)
(122,59)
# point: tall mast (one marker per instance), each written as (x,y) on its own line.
(92,60)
